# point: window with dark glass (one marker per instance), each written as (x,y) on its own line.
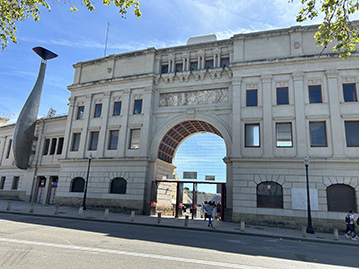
(118,185)
(78,184)
(60,146)
(2,183)
(164,69)
(137,109)
(93,140)
(75,141)
(179,67)
(224,62)
(349,91)
(98,110)
(135,138)
(53,146)
(282,96)
(15,183)
(113,141)
(8,149)
(208,64)
(284,135)
(352,133)
(80,112)
(252,138)
(251,98)
(193,66)
(315,94)
(318,136)
(117,108)
(341,198)
(46,146)
(269,195)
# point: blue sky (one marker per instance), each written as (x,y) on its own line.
(80,36)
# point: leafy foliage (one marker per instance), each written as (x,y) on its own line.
(13,11)
(336,25)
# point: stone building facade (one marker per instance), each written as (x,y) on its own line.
(274,97)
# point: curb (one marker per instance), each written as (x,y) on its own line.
(290,238)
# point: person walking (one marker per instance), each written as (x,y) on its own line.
(351,226)
(209,208)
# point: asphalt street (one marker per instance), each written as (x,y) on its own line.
(40,242)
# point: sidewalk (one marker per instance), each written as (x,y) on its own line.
(23,208)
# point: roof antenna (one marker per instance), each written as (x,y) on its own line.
(108,27)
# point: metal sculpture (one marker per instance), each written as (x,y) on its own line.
(26,122)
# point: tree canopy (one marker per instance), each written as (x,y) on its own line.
(13,11)
(336,25)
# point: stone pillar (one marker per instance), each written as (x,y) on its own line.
(334,108)
(68,133)
(85,132)
(106,110)
(125,110)
(300,128)
(147,121)
(267,132)
(237,134)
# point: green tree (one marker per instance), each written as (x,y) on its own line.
(13,11)
(336,25)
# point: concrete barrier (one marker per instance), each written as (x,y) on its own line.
(132,215)
(32,208)
(106,213)
(8,206)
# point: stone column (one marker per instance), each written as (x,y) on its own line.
(300,128)
(125,111)
(147,121)
(267,132)
(236,118)
(334,108)
(106,110)
(88,114)
(70,118)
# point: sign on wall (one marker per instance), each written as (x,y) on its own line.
(189,175)
(299,199)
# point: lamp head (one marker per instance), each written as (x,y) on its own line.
(90,156)
(306,160)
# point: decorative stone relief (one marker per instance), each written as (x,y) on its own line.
(315,81)
(199,74)
(332,73)
(168,77)
(194,97)
(348,79)
(298,76)
(183,76)
(215,73)
(281,83)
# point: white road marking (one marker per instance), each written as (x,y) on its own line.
(127,253)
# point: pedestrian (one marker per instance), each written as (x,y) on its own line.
(209,208)
(205,211)
(218,213)
(351,226)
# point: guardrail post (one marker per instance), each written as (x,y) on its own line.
(133,215)
(8,206)
(56,210)
(81,211)
(186,221)
(32,208)
(243,226)
(159,215)
(106,213)
(336,234)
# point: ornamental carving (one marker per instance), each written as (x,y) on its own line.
(194,97)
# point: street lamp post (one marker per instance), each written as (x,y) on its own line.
(86,183)
(310,229)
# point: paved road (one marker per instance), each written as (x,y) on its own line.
(33,242)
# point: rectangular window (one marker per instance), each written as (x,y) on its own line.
(282,96)
(93,140)
(2,183)
(135,138)
(137,109)
(224,62)
(193,66)
(350,94)
(8,149)
(113,141)
(208,64)
(351,133)
(164,69)
(179,67)
(252,138)
(80,112)
(315,94)
(60,146)
(46,146)
(284,135)
(117,108)
(318,136)
(75,141)
(98,110)
(251,98)
(15,183)
(53,146)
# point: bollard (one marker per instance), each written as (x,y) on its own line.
(159,217)
(32,207)
(132,215)
(336,234)
(304,231)
(186,221)
(56,210)
(243,225)
(81,211)
(214,223)
(8,206)
(106,213)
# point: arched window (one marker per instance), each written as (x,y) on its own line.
(118,185)
(269,195)
(78,184)
(341,198)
